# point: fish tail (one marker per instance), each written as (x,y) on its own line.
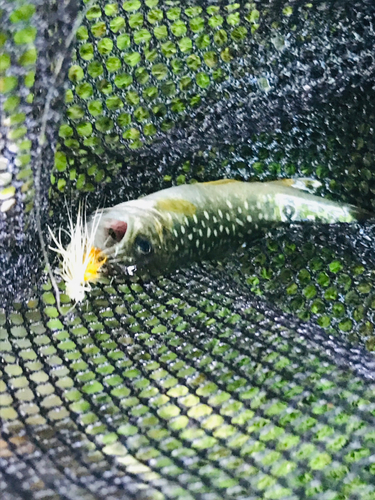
(359,214)
(310,185)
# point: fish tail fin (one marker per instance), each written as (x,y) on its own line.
(333,211)
(360,214)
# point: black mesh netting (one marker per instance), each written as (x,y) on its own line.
(245,379)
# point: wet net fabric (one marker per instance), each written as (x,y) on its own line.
(248,378)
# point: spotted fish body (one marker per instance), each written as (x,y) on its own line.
(170,228)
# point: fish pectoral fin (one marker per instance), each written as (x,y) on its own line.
(301,183)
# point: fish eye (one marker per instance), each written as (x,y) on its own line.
(143,245)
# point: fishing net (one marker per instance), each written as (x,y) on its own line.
(247,378)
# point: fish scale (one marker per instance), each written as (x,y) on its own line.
(172,227)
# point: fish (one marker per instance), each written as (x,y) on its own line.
(171,228)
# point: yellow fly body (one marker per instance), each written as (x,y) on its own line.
(81,260)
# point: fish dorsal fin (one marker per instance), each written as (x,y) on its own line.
(301,183)
(221,181)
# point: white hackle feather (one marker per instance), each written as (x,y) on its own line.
(76,256)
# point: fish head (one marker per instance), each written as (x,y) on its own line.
(131,235)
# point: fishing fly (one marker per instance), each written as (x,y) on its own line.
(81,261)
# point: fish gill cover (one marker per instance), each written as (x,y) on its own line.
(246,378)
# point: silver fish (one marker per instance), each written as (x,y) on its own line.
(172,227)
